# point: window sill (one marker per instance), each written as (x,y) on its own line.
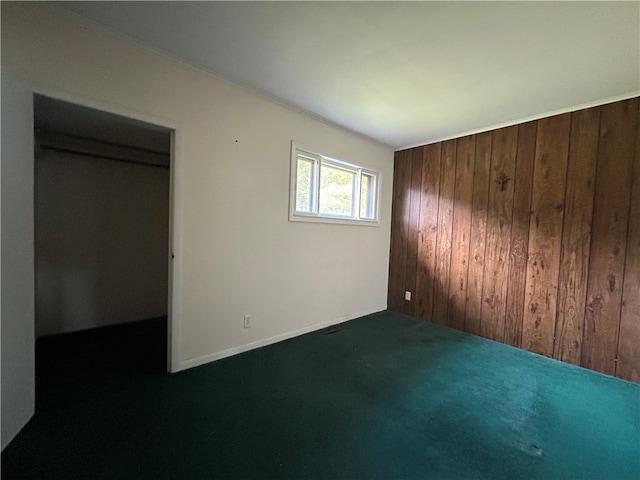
(334,220)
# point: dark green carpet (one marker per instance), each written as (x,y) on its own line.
(386,396)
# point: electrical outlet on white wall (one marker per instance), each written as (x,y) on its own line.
(247,321)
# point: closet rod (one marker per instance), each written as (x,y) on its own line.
(75,145)
(104,157)
(49,133)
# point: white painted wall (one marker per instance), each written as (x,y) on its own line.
(101,242)
(236,251)
(17,306)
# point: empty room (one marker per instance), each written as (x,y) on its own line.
(320,240)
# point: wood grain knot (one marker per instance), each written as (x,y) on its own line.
(492,301)
(502,180)
(594,303)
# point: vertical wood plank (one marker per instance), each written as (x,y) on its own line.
(609,234)
(523,185)
(481,174)
(415,187)
(576,234)
(394,235)
(465,162)
(445,222)
(545,233)
(498,238)
(628,366)
(398,254)
(429,199)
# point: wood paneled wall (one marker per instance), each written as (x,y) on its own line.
(528,235)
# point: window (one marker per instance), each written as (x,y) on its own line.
(324,189)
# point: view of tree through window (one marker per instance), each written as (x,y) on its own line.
(303,190)
(364,195)
(336,191)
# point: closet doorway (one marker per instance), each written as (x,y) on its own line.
(102,250)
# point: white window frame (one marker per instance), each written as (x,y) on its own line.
(315,215)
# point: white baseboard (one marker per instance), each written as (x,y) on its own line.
(194,362)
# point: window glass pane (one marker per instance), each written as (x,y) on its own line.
(367,196)
(336,191)
(364,198)
(303,185)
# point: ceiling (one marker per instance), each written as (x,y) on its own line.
(402,73)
